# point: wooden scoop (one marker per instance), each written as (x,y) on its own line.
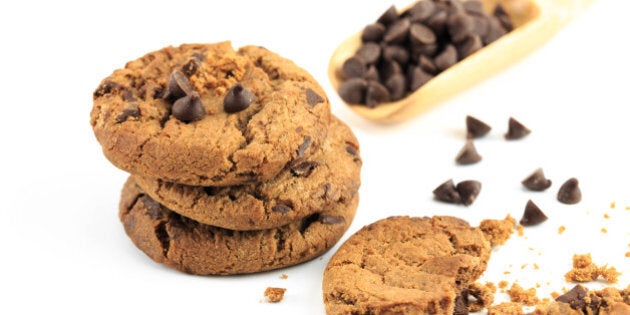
(535,21)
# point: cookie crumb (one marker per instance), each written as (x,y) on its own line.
(274,295)
(604,230)
(519,230)
(497,232)
(524,296)
(561,229)
(613,205)
(584,270)
(506,308)
(627,254)
(284,276)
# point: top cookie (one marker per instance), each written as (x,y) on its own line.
(403,265)
(205,114)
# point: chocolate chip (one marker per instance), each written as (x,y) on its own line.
(352,150)
(422,10)
(475,7)
(575,297)
(460,25)
(446,58)
(353,91)
(302,148)
(397,32)
(331,220)
(353,67)
(495,31)
(373,32)
(237,99)
(468,154)
(376,94)
(281,208)
(468,191)
(420,34)
(154,208)
(417,78)
(107,87)
(476,128)
(482,25)
(131,111)
(128,96)
(312,98)
(190,67)
(178,86)
(304,169)
(397,86)
(516,130)
(389,68)
(532,215)
(447,192)
(437,23)
(372,74)
(427,65)
(570,193)
(389,16)
(189,108)
(503,17)
(396,53)
(469,46)
(370,52)
(537,181)
(460,306)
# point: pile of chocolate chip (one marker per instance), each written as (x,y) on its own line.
(402,52)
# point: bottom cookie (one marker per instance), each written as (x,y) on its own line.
(196,248)
(403,265)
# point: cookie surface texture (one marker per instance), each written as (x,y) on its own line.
(280,115)
(195,248)
(329,178)
(405,265)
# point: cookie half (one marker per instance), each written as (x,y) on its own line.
(205,114)
(196,248)
(328,179)
(405,265)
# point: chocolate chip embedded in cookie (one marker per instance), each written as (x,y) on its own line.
(196,248)
(403,265)
(205,114)
(329,178)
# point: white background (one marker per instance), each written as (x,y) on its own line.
(64,250)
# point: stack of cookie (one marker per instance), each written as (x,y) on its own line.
(237,164)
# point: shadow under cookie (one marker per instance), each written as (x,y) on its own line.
(196,248)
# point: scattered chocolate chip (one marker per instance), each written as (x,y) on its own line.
(312,98)
(437,23)
(189,108)
(352,150)
(369,52)
(397,32)
(131,111)
(237,99)
(532,215)
(476,128)
(302,148)
(281,208)
(460,25)
(396,53)
(373,32)
(420,34)
(468,191)
(330,219)
(417,78)
(575,297)
(470,45)
(460,306)
(516,130)
(468,154)
(354,67)
(190,67)
(421,11)
(106,88)
(447,192)
(376,94)
(178,86)
(570,193)
(389,68)
(397,86)
(389,16)
(304,169)
(446,58)
(537,181)
(427,64)
(353,90)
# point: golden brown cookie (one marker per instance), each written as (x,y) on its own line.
(327,179)
(405,265)
(205,114)
(196,248)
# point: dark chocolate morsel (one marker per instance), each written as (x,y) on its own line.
(397,32)
(468,154)
(446,58)
(302,148)
(468,191)
(575,297)
(190,67)
(304,169)
(460,306)
(447,192)
(532,215)
(396,53)
(476,128)
(570,193)
(397,86)
(281,208)
(189,108)
(131,111)
(370,52)
(178,85)
(312,98)
(353,67)
(237,98)
(537,181)
(376,94)
(422,10)
(389,16)
(420,34)
(470,45)
(331,219)
(460,25)
(106,88)
(353,90)
(417,78)
(372,74)
(516,130)
(373,32)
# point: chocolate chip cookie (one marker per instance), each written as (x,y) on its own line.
(405,265)
(196,248)
(327,179)
(205,114)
